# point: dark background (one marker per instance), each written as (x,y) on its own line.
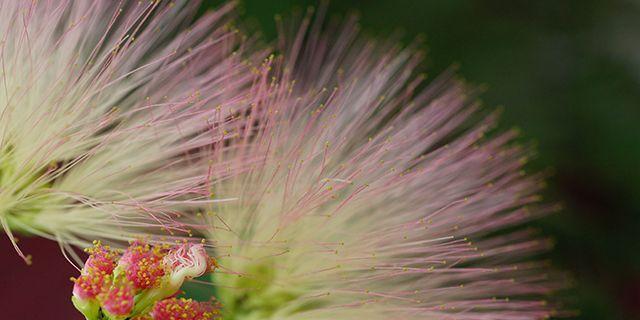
(566,72)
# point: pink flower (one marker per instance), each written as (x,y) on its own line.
(89,286)
(183,309)
(101,259)
(95,276)
(118,300)
(143,264)
(375,195)
(144,275)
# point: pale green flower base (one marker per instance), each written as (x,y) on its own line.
(253,297)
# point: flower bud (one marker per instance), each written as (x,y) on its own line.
(187,261)
(118,301)
(142,284)
(143,265)
(183,309)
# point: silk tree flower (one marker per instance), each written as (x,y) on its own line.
(336,185)
(378,197)
(108,111)
(142,282)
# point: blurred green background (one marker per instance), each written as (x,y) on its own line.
(567,74)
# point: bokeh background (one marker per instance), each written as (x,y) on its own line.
(566,72)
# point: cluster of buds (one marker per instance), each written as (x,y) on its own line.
(141,283)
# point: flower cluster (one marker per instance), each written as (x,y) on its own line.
(141,283)
(333,181)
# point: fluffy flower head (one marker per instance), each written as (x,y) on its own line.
(108,113)
(377,197)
